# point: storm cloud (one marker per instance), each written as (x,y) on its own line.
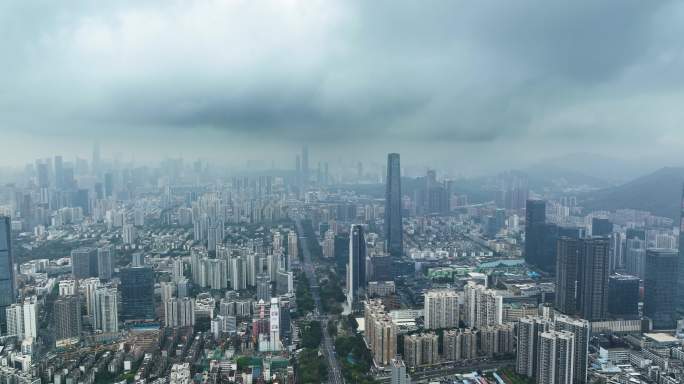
(533,77)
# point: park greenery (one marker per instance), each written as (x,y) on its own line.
(311,334)
(305,302)
(331,294)
(311,367)
(355,359)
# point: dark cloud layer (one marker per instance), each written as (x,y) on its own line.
(535,74)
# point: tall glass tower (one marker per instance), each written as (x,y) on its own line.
(393,228)
(356,270)
(137,293)
(7,293)
(679,303)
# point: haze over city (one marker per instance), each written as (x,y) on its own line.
(480,86)
(341,192)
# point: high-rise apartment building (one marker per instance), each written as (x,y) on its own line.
(292,248)
(553,351)
(67,317)
(497,339)
(441,309)
(106,314)
(14,315)
(381,332)
(21,319)
(567,277)
(594,273)
(329,244)
(237,272)
(179,312)
(460,344)
(481,306)
(263,287)
(105,263)
(421,349)
(393,225)
(129,234)
(274,325)
(556,358)
(582,271)
(580,328)
(527,354)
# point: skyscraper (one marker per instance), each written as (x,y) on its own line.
(527,354)
(96,158)
(623,296)
(67,312)
(59,172)
(305,165)
(594,273)
(104,262)
(84,262)
(274,325)
(43,183)
(137,293)
(356,269)
(582,270)
(7,289)
(567,262)
(263,285)
(660,277)
(393,225)
(535,220)
(680,275)
(109,184)
(106,314)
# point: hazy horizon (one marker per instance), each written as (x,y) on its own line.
(470,87)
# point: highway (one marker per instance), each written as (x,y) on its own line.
(334,371)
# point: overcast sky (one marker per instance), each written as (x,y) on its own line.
(458,84)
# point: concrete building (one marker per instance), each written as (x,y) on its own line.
(380,333)
(421,349)
(398,373)
(481,306)
(106,315)
(67,315)
(556,358)
(460,344)
(441,309)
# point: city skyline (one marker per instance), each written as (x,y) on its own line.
(321,192)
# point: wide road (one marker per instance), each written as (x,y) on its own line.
(334,371)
